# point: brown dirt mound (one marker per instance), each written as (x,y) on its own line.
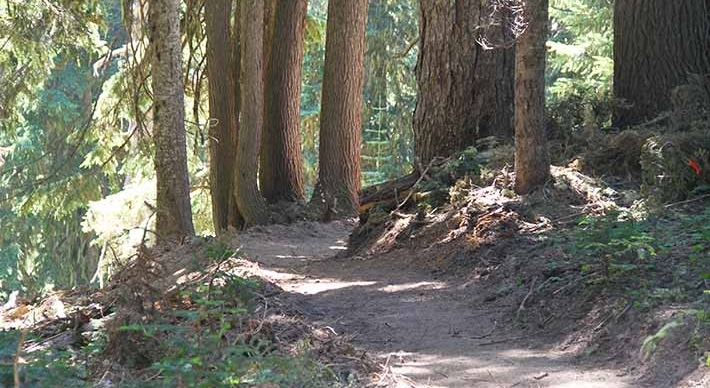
(506,244)
(147,291)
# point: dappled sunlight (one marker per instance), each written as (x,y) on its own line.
(523,354)
(497,368)
(276,275)
(312,287)
(340,245)
(413,286)
(293,257)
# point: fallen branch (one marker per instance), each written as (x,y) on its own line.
(421,176)
(522,304)
(387,191)
(687,201)
(573,282)
(495,325)
(18,355)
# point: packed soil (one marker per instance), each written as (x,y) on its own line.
(465,296)
(480,292)
(438,330)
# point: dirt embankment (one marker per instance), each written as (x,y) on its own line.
(483,292)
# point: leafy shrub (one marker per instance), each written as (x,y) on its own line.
(42,368)
(620,246)
(209,339)
(665,162)
(580,64)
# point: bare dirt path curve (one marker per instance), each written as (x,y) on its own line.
(433,330)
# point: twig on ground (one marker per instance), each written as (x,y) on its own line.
(522,304)
(495,325)
(687,201)
(401,215)
(421,176)
(154,376)
(263,318)
(385,370)
(628,306)
(615,316)
(548,320)
(494,379)
(18,356)
(573,282)
(556,220)
(541,286)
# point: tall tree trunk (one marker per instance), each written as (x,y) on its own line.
(465,90)
(281,170)
(223,125)
(270,7)
(174,212)
(250,202)
(336,191)
(532,161)
(657,43)
(498,110)
(235,218)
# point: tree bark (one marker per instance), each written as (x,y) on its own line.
(281,170)
(251,204)
(465,90)
(223,118)
(174,212)
(657,43)
(235,218)
(532,161)
(336,191)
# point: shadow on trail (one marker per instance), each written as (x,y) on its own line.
(436,330)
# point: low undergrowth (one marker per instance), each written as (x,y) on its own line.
(214,332)
(662,259)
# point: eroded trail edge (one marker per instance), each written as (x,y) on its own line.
(435,329)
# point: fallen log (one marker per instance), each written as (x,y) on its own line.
(443,170)
(391,191)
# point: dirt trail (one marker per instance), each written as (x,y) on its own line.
(436,331)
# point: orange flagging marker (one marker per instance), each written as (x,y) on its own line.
(694,165)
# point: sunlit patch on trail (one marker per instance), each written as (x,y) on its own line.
(312,287)
(292,257)
(412,286)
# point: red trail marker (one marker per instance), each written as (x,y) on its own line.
(694,165)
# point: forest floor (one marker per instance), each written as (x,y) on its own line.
(498,291)
(436,329)
(486,290)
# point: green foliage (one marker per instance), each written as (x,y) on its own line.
(389,93)
(219,251)
(651,343)
(652,262)
(72,133)
(34,34)
(695,232)
(214,343)
(42,190)
(390,90)
(42,368)
(666,174)
(621,246)
(580,63)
